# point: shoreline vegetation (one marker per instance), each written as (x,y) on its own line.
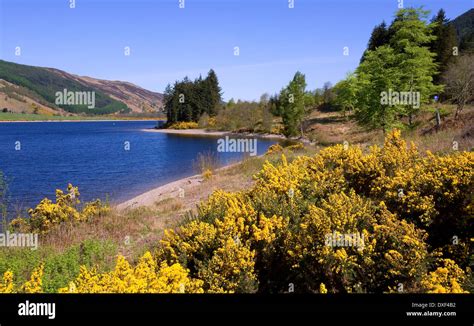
(158,228)
(398,176)
(205,132)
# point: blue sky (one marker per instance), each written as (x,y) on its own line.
(168,43)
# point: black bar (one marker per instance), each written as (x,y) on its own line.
(87,308)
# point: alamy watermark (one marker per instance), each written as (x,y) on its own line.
(75,98)
(336,239)
(37,309)
(237,145)
(27,240)
(392,98)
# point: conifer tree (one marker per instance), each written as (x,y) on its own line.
(443,45)
(380,36)
(292,105)
(213,93)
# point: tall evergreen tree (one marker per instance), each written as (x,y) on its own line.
(168,97)
(292,101)
(380,36)
(444,43)
(213,93)
(188,100)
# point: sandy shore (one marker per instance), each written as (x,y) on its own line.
(203,132)
(170,190)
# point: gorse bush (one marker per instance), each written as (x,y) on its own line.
(145,277)
(47,214)
(33,285)
(58,268)
(343,221)
(184,125)
(393,197)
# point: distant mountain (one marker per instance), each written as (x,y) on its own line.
(464,25)
(33,89)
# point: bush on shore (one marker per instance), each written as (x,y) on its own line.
(183,125)
(342,221)
(47,215)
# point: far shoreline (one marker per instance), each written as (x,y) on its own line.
(204,132)
(78,120)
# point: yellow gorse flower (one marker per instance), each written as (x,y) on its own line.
(342,221)
(47,214)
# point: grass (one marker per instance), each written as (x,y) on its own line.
(134,231)
(59,267)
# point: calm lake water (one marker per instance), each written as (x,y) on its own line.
(92,156)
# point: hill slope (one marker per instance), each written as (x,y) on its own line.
(464,25)
(28,88)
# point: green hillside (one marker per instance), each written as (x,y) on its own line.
(464,25)
(46,83)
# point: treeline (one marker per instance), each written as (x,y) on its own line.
(410,63)
(282,113)
(188,100)
(406,65)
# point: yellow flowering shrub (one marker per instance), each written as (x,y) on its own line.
(47,214)
(322,289)
(295,147)
(145,277)
(7,285)
(189,244)
(207,174)
(35,284)
(445,279)
(343,221)
(370,235)
(211,123)
(391,199)
(400,252)
(230,269)
(93,209)
(432,191)
(277,129)
(275,148)
(184,125)
(219,252)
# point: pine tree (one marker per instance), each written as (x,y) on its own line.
(213,93)
(380,36)
(171,113)
(292,104)
(444,43)
(188,100)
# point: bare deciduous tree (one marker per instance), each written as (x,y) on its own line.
(459,81)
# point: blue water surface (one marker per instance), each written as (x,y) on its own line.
(92,156)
